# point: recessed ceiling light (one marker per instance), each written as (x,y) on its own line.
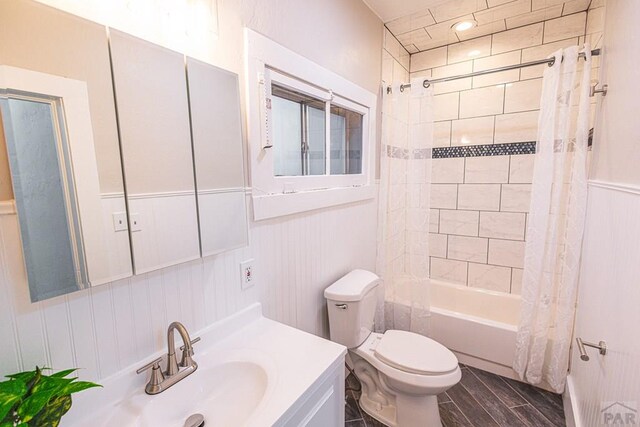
(464,25)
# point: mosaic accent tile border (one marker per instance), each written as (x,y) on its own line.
(403,153)
(506,149)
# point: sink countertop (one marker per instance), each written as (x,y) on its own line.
(292,360)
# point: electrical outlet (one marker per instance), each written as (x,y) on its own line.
(135,222)
(247,274)
(120,221)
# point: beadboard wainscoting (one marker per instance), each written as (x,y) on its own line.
(608,307)
(115,244)
(164,229)
(108,328)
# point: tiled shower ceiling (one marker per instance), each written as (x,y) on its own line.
(432,27)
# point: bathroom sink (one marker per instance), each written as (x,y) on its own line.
(226,395)
(252,372)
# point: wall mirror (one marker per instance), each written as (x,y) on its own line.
(58,94)
(153,115)
(216,124)
(69,240)
(123,157)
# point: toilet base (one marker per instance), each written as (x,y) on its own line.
(391,407)
(422,412)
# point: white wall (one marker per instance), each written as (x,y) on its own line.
(616,156)
(609,291)
(342,35)
(107,328)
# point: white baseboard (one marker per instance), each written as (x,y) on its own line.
(571,414)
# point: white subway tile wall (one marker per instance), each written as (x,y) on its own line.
(432,28)
(480,204)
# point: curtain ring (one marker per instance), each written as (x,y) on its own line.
(426,84)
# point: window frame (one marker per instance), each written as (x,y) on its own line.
(273,77)
(268,62)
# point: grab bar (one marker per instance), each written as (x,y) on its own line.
(601,346)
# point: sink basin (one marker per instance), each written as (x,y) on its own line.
(226,394)
(252,372)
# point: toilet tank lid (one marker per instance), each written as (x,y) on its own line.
(353,286)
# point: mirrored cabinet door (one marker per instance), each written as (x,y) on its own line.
(217,145)
(153,115)
(43,53)
(44,193)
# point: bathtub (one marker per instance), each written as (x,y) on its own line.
(478,325)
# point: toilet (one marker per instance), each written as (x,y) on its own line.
(401,372)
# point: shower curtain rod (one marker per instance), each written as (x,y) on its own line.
(550,61)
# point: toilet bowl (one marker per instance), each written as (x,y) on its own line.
(401,372)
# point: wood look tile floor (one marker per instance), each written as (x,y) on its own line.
(480,399)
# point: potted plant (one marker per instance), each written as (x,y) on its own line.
(32,399)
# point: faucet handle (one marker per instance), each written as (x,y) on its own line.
(153,386)
(186,360)
(193,341)
(151,365)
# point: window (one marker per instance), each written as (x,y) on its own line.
(346,141)
(299,127)
(303,145)
(310,130)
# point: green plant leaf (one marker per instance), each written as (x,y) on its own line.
(33,404)
(52,413)
(48,383)
(78,386)
(64,373)
(41,392)
(13,387)
(11,392)
(23,376)
(35,379)
(37,399)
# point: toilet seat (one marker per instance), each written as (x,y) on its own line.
(414,353)
(400,379)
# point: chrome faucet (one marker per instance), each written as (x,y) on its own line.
(160,381)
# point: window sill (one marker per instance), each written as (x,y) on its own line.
(276,205)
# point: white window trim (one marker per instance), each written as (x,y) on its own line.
(277,196)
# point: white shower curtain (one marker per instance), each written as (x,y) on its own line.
(403,237)
(556,222)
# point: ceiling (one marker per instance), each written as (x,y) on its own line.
(388,10)
(427,24)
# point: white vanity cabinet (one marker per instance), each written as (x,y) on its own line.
(323,404)
(252,372)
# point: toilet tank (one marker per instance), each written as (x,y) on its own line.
(351,303)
